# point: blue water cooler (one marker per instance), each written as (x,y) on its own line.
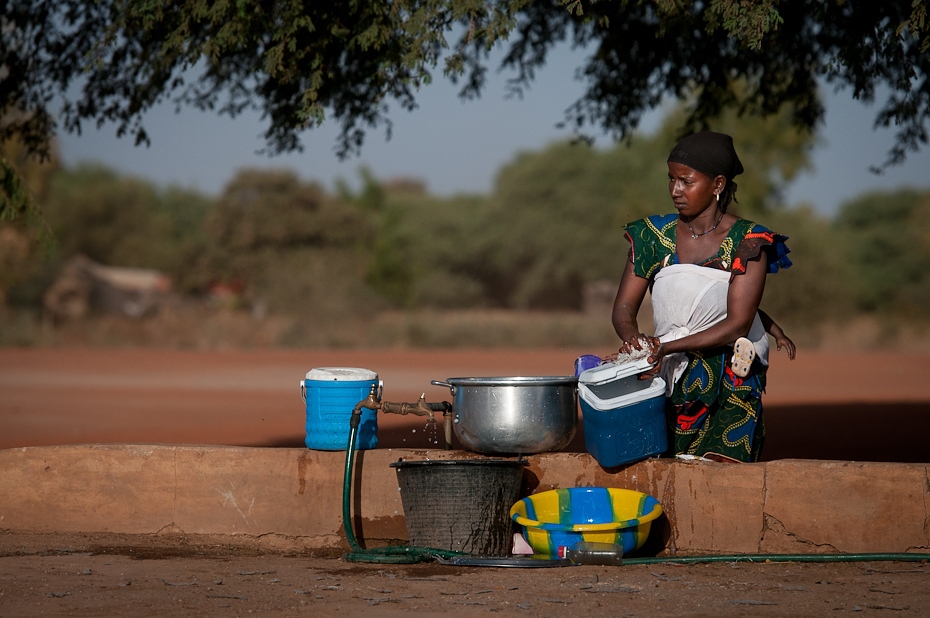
(330,394)
(623,416)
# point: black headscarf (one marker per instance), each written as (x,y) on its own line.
(709,153)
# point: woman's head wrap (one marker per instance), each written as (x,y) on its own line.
(709,153)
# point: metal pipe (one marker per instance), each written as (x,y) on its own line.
(420,408)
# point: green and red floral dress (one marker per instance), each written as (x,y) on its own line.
(711,412)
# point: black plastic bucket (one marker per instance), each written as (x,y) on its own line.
(460,505)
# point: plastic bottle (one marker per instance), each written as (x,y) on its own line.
(587,552)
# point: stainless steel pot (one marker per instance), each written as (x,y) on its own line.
(514,415)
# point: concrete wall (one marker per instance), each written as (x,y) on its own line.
(789,506)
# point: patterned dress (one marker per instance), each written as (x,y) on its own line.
(711,412)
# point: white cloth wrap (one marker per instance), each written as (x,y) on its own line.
(686,299)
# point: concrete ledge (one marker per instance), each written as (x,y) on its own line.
(788,506)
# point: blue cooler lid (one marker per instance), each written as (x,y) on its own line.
(341,374)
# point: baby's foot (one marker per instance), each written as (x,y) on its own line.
(743,355)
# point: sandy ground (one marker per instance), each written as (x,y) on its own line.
(98,575)
(872,407)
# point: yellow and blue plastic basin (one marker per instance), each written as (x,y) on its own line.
(564,517)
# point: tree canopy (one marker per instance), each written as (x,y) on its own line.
(301,62)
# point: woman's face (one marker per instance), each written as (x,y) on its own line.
(692,191)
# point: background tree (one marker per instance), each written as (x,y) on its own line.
(287,246)
(123,220)
(887,244)
(115,220)
(298,62)
(429,252)
(20,228)
(554,220)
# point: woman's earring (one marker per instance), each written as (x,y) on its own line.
(718,197)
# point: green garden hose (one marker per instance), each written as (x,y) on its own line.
(408,554)
(395,554)
(876,557)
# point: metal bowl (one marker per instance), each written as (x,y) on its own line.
(514,415)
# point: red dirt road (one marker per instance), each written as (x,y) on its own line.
(859,406)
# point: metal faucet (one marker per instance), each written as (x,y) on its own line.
(420,408)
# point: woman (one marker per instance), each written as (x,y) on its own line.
(706,270)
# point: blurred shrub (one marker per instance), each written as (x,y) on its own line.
(817,288)
(24,236)
(556,220)
(122,221)
(428,251)
(886,243)
(287,246)
(113,220)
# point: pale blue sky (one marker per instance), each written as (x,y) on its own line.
(458,146)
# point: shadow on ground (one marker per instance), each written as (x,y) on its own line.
(881,432)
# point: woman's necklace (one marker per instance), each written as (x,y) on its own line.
(695,235)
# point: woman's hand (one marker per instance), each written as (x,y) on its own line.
(657,351)
(654,353)
(642,343)
(656,357)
